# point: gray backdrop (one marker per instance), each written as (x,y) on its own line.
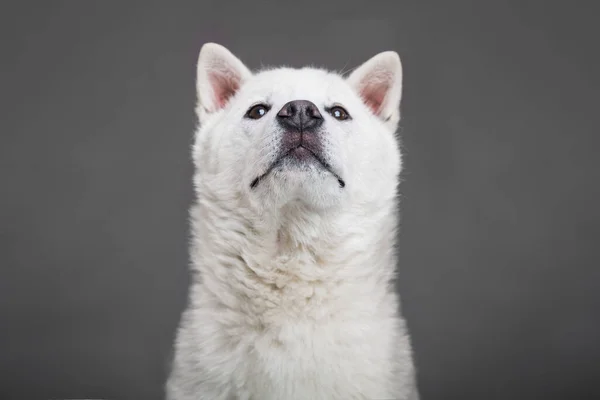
(500,263)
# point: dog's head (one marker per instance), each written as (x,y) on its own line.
(305,135)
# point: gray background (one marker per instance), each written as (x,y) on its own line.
(500,262)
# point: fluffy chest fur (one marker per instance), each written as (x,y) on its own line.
(341,357)
(274,318)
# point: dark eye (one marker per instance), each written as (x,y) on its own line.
(339,113)
(257,112)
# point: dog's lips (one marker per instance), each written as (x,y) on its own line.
(301,150)
(299,153)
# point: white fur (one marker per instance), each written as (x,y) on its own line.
(291,296)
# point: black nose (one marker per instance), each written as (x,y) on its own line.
(300,115)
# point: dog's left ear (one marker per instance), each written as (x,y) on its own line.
(378,82)
(220,75)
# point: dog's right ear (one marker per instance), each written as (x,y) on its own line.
(220,74)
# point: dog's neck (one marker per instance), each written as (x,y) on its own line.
(288,254)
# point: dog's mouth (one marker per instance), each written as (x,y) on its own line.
(299,153)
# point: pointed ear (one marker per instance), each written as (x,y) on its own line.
(220,74)
(378,82)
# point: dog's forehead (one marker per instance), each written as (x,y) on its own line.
(285,84)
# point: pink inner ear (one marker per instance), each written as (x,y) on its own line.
(224,86)
(373,94)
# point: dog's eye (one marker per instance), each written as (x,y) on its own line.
(339,113)
(258,111)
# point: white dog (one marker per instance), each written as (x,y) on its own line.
(294,227)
